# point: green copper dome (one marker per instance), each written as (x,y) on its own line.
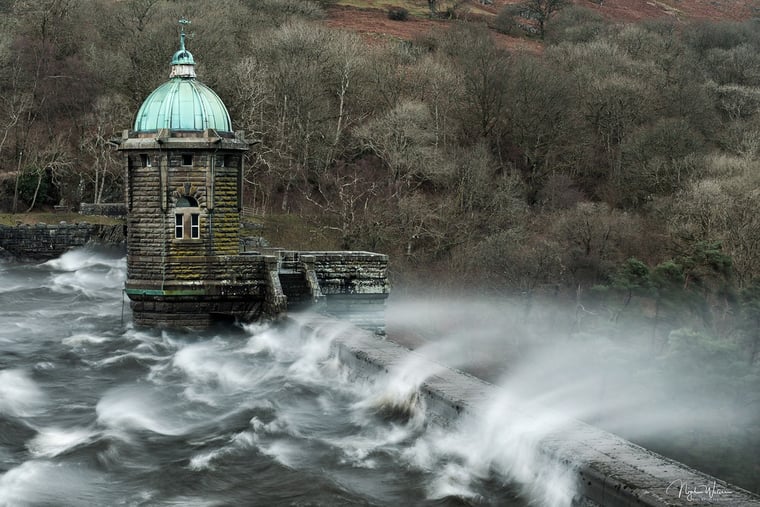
(183,103)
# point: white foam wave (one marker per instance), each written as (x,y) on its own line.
(40,482)
(8,287)
(202,461)
(88,282)
(128,355)
(453,481)
(274,426)
(134,408)
(81,258)
(314,352)
(239,441)
(86,271)
(51,442)
(205,363)
(19,394)
(357,450)
(503,436)
(397,394)
(263,340)
(189,501)
(83,339)
(285,452)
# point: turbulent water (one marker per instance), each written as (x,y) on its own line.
(95,412)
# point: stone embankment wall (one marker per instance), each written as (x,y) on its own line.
(108,209)
(43,242)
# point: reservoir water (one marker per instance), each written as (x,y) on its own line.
(95,412)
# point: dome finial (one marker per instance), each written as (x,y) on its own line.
(182,22)
(182,62)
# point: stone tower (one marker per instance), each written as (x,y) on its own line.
(184,167)
(183,172)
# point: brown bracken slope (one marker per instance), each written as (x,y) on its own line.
(633,10)
(372,21)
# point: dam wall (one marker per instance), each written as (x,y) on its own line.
(608,470)
(42,242)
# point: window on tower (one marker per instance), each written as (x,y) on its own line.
(179,226)
(195,226)
(187,218)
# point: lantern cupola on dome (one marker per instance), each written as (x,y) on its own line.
(183,103)
(182,61)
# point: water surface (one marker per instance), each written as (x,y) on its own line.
(95,412)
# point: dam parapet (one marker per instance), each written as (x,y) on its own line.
(604,469)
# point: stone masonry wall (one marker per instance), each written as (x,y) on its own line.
(204,271)
(243,287)
(109,209)
(151,230)
(351,272)
(355,285)
(43,242)
(352,285)
(146,221)
(224,220)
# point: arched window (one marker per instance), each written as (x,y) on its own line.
(187,218)
(186,201)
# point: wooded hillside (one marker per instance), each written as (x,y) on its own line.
(613,168)
(517,172)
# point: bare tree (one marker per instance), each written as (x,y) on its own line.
(485,73)
(539,123)
(346,57)
(439,86)
(14,107)
(286,105)
(103,169)
(722,210)
(595,238)
(346,196)
(402,138)
(541,11)
(137,13)
(420,221)
(52,157)
(518,263)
